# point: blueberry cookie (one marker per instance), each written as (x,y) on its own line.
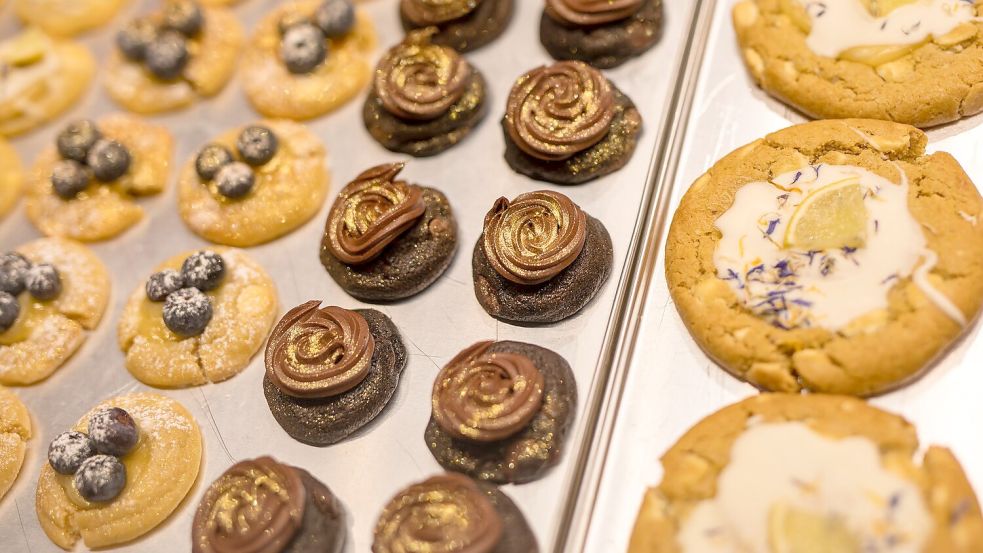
(254,184)
(11,177)
(15,431)
(200,318)
(463,25)
(86,185)
(66,17)
(308,58)
(51,292)
(603,33)
(783,472)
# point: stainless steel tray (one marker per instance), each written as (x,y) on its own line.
(367,470)
(669,384)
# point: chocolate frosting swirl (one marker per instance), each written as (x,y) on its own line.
(591,12)
(485,397)
(443,514)
(535,236)
(555,111)
(315,353)
(371,212)
(433,12)
(419,80)
(256,506)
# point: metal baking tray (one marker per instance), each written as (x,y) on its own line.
(366,470)
(668,384)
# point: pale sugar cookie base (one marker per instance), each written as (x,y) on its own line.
(67,17)
(11,177)
(15,431)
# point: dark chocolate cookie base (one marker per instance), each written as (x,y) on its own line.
(604,46)
(474,30)
(518,536)
(605,157)
(554,300)
(323,528)
(325,421)
(427,138)
(525,456)
(409,264)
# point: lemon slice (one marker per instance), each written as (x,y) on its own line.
(880,8)
(24,49)
(792,530)
(830,217)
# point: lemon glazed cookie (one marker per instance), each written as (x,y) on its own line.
(15,431)
(85,186)
(11,177)
(914,62)
(779,473)
(66,17)
(834,256)
(200,318)
(119,473)
(308,58)
(42,77)
(254,184)
(51,291)
(173,57)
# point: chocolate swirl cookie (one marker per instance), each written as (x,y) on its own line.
(386,239)
(501,411)
(603,33)
(540,258)
(591,12)
(451,512)
(566,123)
(264,506)
(330,371)
(425,97)
(463,25)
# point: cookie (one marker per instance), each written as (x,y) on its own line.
(48,330)
(501,411)
(241,306)
(425,98)
(540,259)
(11,177)
(915,64)
(93,195)
(604,34)
(568,124)
(484,519)
(311,88)
(160,472)
(162,65)
(386,239)
(463,25)
(15,431)
(331,371)
(264,505)
(286,190)
(66,17)
(43,77)
(869,253)
(783,472)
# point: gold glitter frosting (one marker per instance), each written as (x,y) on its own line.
(433,12)
(592,12)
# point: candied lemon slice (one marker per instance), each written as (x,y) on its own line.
(830,217)
(24,49)
(792,530)
(879,55)
(880,8)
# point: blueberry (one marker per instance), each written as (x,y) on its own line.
(113,431)
(210,159)
(183,16)
(235,180)
(256,145)
(335,17)
(77,138)
(302,48)
(109,160)
(187,312)
(13,270)
(100,478)
(9,311)
(167,55)
(135,37)
(69,178)
(164,283)
(68,451)
(203,270)
(43,281)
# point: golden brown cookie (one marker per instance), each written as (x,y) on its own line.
(66,17)
(11,177)
(159,474)
(929,506)
(15,431)
(901,285)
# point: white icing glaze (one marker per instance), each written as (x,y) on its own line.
(838,25)
(790,465)
(830,288)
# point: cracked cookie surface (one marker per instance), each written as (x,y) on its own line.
(876,354)
(15,431)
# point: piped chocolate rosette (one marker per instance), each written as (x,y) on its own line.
(463,25)
(592,12)
(264,506)
(451,512)
(425,97)
(500,411)
(603,33)
(567,123)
